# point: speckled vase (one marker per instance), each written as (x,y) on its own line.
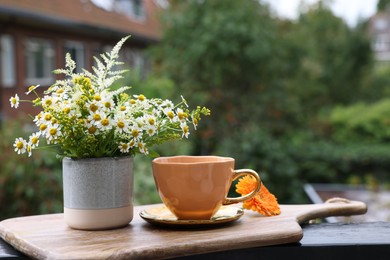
(98,192)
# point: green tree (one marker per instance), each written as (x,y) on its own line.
(333,59)
(382,5)
(220,53)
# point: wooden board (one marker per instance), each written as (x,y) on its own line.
(48,237)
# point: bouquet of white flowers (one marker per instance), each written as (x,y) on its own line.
(83,117)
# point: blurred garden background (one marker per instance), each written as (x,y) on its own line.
(300,101)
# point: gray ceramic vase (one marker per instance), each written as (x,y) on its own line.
(98,192)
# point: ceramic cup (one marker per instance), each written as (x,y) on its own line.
(195,187)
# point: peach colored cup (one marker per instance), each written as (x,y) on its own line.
(195,187)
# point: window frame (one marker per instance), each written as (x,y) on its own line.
(48,62)
(7,61)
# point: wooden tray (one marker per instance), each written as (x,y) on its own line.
(48,237)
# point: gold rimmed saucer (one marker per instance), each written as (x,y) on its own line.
(161,215)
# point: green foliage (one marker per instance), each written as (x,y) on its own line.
(332,59)
(362,122)
(216,51)
(28,187)
(383,5)
(285,166)
(257,150)
(250,68)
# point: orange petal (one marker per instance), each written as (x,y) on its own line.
(264,202)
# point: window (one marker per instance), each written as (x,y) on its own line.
(77,52)
(132,8)
(381,43)
(39,61)
(7,61)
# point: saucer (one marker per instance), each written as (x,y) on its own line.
(161,215)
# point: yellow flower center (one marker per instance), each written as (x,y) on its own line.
(48,117)
(105,122)
(107,104)
(122,108)
(185,129)
(53,131)
(92,130)
(48,102)
(66,110)
(97,97)
(96,117)
(31,88)
(43,127)
(34,140)
(124,146)
(135,133)
(13,100)
(171,115)
(141,97)
(93,107)
(151,121)
(19,145)
(120,124)
(181,115)
(132,101)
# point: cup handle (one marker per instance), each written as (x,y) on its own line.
(236,175)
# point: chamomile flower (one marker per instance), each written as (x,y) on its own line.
(14,101)
(34,140)
(29,150)
(43,129)
(195,122)
(93,106)
(171,115)
(167,104)
(107,104)
(181,115)
(124,147)
(31,89)
(20,145)
(140,97)
(46,118)
(96,117)
(121,124)
(48,101)
(53,133)
(185,129)
(123,108)
(105,124)
(142,148)
(151,130)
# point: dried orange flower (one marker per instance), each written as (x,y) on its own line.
(264,202)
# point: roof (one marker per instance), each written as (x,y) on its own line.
(85,15)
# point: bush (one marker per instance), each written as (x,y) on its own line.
(362,122)
(29,185)
(286,165)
